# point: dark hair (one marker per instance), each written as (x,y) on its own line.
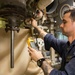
(72,15)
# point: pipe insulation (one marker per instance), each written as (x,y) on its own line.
(42,4)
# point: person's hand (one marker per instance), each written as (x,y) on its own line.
(38,16)
(33,22)
(35,55)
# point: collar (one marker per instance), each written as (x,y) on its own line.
(72,44)
(68,46)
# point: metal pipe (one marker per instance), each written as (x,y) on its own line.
(42,4)
(12,49)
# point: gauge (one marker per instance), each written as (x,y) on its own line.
(63,9)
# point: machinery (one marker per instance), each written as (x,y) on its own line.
(17,13)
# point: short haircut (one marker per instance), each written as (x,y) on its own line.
(72,15)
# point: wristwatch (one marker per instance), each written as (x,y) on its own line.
(40,61)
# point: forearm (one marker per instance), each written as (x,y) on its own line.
(46,68)
(42,33)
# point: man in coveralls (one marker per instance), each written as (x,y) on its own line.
(65,49)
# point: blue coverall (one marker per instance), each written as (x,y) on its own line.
(67,53)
